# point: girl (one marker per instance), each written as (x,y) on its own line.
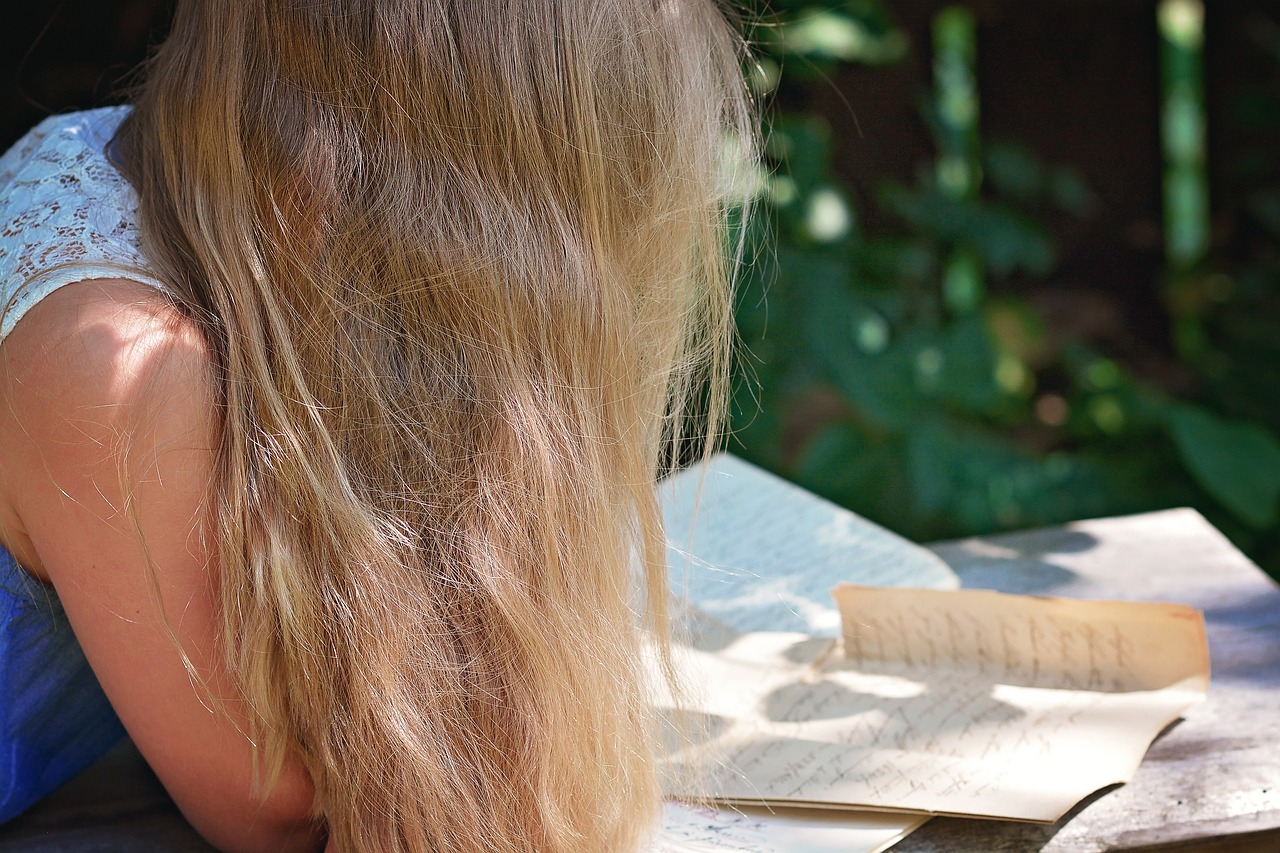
(338,375)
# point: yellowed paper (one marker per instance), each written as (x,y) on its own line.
(966,703)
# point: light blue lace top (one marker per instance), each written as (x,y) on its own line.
(66,215)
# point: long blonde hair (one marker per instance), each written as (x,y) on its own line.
(462,266)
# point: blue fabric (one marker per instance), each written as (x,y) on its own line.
(66,214)
(54,718)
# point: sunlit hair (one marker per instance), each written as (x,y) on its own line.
(462,266)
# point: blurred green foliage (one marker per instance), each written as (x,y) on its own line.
(899,373)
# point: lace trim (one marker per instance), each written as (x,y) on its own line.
(67,213)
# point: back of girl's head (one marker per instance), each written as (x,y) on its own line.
(462,265)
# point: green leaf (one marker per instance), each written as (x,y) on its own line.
(803,144)
(845,464)
(968,369)
(877,380)
(823,34)
(972,476)
(1006,240)
(1236,462)
(971,479)
(1013,171)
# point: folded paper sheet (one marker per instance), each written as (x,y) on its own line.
(968,703)
(693,829)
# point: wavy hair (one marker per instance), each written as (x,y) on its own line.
(462,266)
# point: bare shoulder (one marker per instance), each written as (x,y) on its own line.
(107,437)
(111,337)
(96,374)
(103,342)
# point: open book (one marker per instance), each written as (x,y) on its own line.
(929,701)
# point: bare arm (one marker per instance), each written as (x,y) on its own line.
(94,368)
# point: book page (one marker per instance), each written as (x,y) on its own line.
(964,703)
(760,554)
(698,829)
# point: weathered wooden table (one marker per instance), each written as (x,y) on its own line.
(1211,782)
